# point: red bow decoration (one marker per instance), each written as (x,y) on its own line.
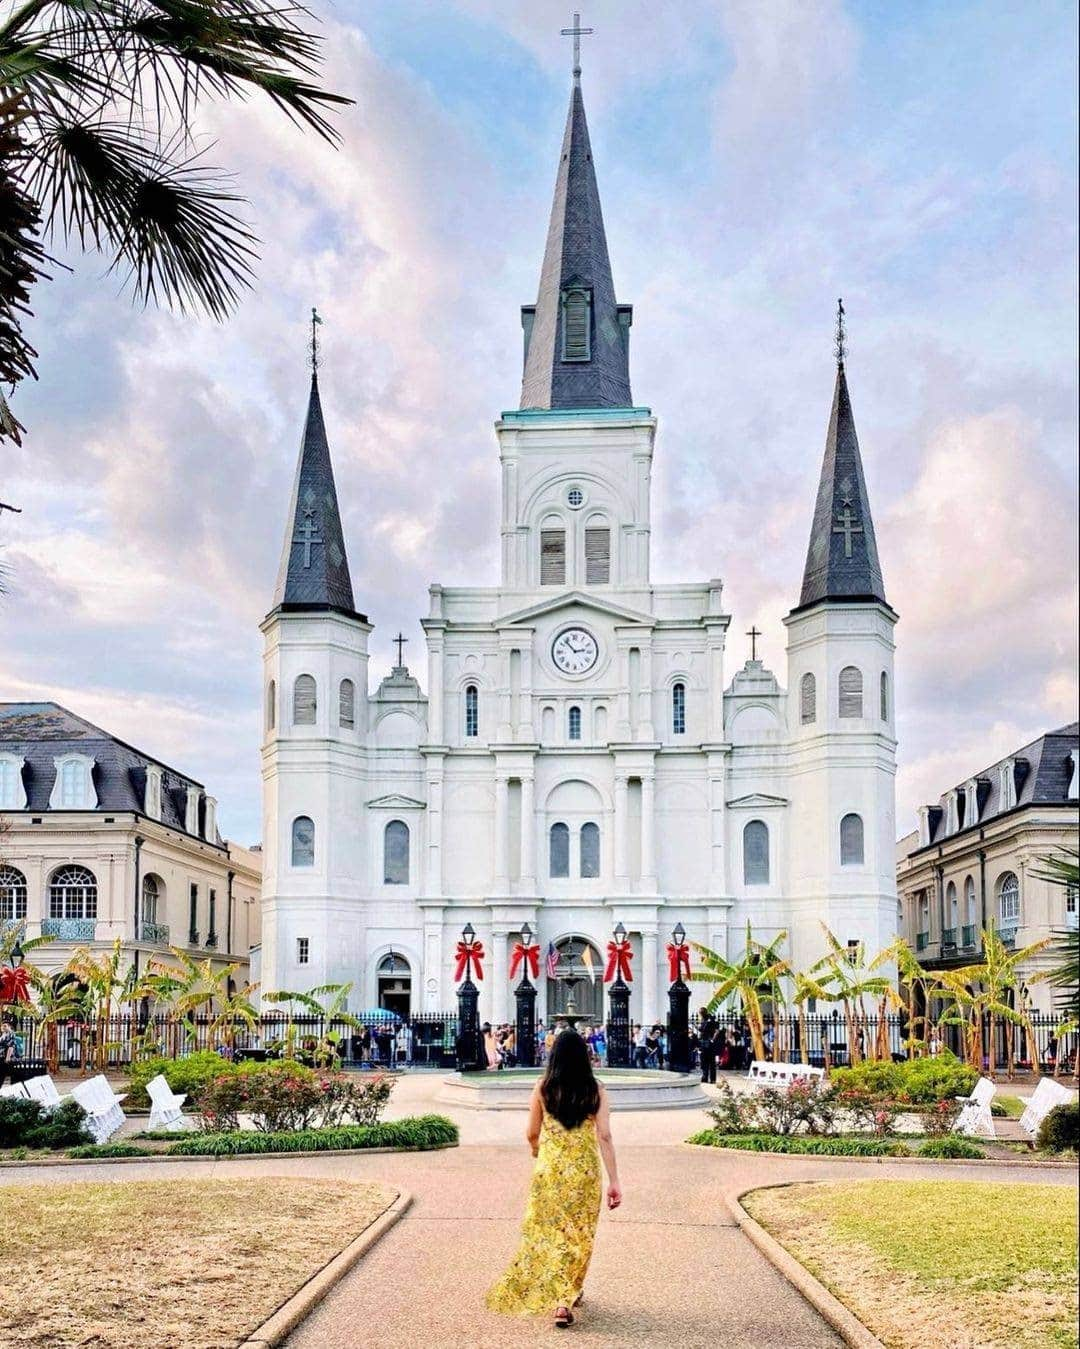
(530,955)
(618,961)
(678,960)
(467,953)
(15,985)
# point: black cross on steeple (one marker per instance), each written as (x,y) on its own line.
(400,641)
(753,634)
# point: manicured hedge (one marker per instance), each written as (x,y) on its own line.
(949,1147)
(192,1073)
(802,1144)
(109,1150)
(915,1081)
(29,1124)
(420,1133)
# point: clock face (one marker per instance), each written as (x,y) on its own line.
(575,651)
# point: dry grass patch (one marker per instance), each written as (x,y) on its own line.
(938,1264)
(191,1263)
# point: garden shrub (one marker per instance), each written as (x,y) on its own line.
(1060,1130)
(29,1124)
(282,1097)
(802,1144)
(915,1081)
(422,1132)
(804,1105)
(109,1150)
(949,1146)
(869,1112)
(188,1075)
(939,1121)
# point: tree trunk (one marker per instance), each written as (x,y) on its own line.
(804,1054)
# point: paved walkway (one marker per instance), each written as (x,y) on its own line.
(670,1267)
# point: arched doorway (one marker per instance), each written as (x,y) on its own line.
(577,988)
(395,984)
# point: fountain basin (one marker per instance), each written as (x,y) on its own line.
(627,1089)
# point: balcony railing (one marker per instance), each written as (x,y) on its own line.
(16,926)
(69,929)
(193,937)
(1072,920)
(922,941)
(948,936)
(156,932)
(968,937)
(1008,936)
(211,941)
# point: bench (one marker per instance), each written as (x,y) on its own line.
(1047,1095)
(765,1074)
(975,1118)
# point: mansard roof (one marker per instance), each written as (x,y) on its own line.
(576,255)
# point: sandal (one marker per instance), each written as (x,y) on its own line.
(564,1318)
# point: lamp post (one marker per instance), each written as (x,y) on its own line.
(618,1028)
(468,1043)
(678,1025)
(525,997)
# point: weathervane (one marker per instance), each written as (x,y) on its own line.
(841,335)
(316,324)
(576,32)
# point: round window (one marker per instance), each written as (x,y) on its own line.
(575,497)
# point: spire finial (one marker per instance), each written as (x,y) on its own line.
(576,32)
(841,335)
(316,323)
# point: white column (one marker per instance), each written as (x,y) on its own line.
(432,971)
(433,875)
(622,872)
(717,865)
(500,997)
(528,835)
(502,820)
(435,688)
(650,1010)
(526,731)
(648,831)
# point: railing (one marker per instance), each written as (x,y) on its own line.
(968,937)
(16,926)
(156,932)
(948,936)
(193,937)
(1008,936)
(1072,920)
(69,929)
(922,941)
(211,941)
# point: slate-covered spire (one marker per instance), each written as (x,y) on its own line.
(842,560)
(314,571)
(576,336)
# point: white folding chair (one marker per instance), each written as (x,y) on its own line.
(975,1118)
(165,1106)
(1047,1095)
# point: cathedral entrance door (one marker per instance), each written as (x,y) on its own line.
(577,989)
(395,984)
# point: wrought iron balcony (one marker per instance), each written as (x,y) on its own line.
(15,926)
(968,934)
(1008,936)
(922,941)
(193,937)
(948,936)
(211,941)
(69,929)
(156,932)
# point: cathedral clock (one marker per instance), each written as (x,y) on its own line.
(575,651)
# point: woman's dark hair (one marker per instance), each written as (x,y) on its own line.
(569,1089)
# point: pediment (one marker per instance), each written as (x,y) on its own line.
(395,801)
(570,599)
(757,801)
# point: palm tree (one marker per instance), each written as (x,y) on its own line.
(56,1000)
(753,978)
(326,1053)
(105,982)
(98,102)
(803,988)
(192,986)
(847,978)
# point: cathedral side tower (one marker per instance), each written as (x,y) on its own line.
(841,711)
(315,713)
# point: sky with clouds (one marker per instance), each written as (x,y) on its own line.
(756,159)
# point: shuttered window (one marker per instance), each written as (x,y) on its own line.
(559,851)
(552,557)
(590,851)
(756,853)
(396,853)
(303,841)
(597,556)
(807,699)
(347,703)
(850,691)
(303,701)
(575,344)
(271,705)
(851,841)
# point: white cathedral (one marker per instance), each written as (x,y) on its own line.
(580,756)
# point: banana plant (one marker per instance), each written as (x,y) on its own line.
(106,980)
(752,978)
(191,986)
(843,972)
(327,1050)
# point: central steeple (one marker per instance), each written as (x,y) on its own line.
(577,337)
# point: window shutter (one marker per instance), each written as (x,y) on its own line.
(851,841)
(576,326)
(590,851)
(850,691)
(808,699)
(559,851)
(884,696)
(304,701)
(347,703)
(597,556)
(552,557)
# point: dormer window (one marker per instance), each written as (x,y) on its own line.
(152,797)
(73,788)
(12,791)
(576,306)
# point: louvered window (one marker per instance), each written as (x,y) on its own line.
(884,696)
(850,691)
(472,710)
(396,853)
(271,705)
(347,703)
(559,851)
(851,841)
(303,841)
(590,851)
(808,699)
(597,556)
(756,853)
(304,701)
(678,709)
(552,557)
(575,344)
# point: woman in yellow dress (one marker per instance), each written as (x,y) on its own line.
(569,1131)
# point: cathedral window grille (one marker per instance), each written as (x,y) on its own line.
(678,709)
(396,853)
(884,696)
(576,324)
(347,704)
(304,700)
(1009,900)
(851,841)
(303,841)
(303,950)
(271,705)
(851,691)
(472,711)
(12,894)
(73,893)
(573,724)
(590,851)
(756,853)
(151,894)
(597,555)
(808,699)
(559,851)
(552,557)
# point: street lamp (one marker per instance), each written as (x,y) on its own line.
(678,935)
(18,955)
(468,932)
(620,931)
(526,934)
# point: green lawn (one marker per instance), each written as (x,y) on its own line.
(938,1263)
(1014,1106)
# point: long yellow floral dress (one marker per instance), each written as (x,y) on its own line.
(549,1268)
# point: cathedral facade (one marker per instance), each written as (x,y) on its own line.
(578,755)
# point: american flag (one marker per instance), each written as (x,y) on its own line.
(551,964)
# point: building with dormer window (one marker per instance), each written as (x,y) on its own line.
(578,753)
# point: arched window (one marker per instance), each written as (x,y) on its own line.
(347,704)
(969,902)
(552,555)
(396,853)
(573,724)
(924,912)
(851,841)
(808,699)
(303,841)
(271,705)
(303,701)
(851,691)
(1009,900)
(559,851)
(755,839)
(884,696)
(952,908)
(678,709)
(472,710)
(73,893)
(575,333)
(590,850)
(12,894)
(151,893)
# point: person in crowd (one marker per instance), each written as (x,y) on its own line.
(641,1047)
(569,1131)
(738,1052)
(708,1050)
(403,1043)
(723,1053)
(491,1048)
(652,1047)
(9,1050)
(509,1047)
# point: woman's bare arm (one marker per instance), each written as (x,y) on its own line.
(536,1119)
(607,1151)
